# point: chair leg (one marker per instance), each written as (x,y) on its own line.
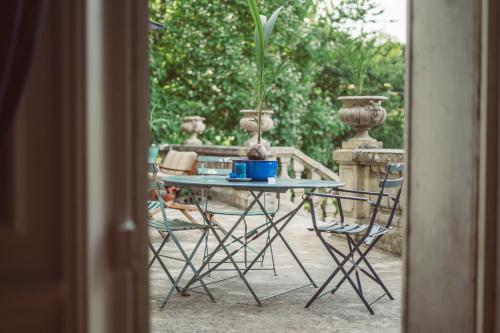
(196,271)
(340,268)
(317,294)
(278,233)
(374,276)
(320,289)
(206,251)
(379,280)
(162,264)
(347,258)
(230,257)
(354,264)
(188,264)
(272,252)
(221,242)
(245,243)
(268,239)
(156,253)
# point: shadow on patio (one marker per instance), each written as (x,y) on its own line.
(236,310)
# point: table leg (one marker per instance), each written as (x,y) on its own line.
(278,232)
(221,241)
(254,237)
(236,267)
(229,256)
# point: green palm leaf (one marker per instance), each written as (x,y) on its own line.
(259,31)
(263,30)
(269,26)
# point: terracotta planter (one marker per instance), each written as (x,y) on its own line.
(362,113)
(249,124)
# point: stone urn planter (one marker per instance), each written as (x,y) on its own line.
(362,113)
(249,124)
(193,125)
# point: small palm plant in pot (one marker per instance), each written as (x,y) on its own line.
(258,167)
(263,28)
(359,111)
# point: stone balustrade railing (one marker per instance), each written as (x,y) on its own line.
(293,163)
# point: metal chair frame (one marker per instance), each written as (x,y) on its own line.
(369,234)
(167,226)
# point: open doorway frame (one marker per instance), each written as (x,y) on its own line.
(89,87)
(451,262)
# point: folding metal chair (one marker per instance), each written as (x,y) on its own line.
(175,163)
(169,228)
(358,235)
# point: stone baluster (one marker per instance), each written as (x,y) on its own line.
(284,164)
(315,176)
(330,210)
(298,169)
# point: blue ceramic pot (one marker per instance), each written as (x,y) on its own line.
(260,170)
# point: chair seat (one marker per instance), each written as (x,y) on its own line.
(238,213)
(153,205)
(352,228)
(175,225)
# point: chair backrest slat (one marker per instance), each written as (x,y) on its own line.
(395,168)
(387,183)
(213,172)
(391,183)
(216,159)
(215,165)
(179,162)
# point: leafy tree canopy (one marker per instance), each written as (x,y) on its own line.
(202,63)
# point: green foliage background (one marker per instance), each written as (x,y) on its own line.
(202,63)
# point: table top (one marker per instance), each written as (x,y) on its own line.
(221,181)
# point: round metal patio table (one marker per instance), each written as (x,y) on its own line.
(281,185)
(257,190)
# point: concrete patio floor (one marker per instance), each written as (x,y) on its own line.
(236,310)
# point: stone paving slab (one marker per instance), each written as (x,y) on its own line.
(236,311)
